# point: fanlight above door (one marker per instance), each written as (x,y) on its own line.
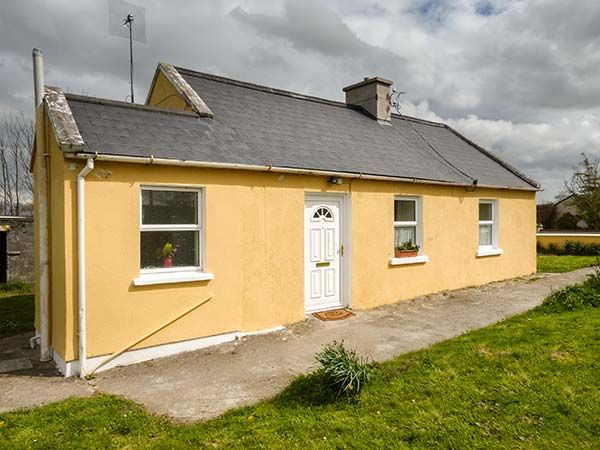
(322,213)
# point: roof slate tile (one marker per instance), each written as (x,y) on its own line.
(261,126)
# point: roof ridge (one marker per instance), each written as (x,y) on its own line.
(419,120)
(128,105)
(292,94)
(263,88)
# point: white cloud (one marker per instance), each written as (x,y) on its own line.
(520,77)
(544,150)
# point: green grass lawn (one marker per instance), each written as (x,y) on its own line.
(529,382)
(563,263)
(16,309)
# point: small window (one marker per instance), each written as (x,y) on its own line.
(170,229)
(488,224)
(407,226)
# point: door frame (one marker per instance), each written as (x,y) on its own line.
(345,224)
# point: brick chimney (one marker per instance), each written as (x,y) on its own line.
(372,95)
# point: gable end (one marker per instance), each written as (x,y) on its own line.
(187,93)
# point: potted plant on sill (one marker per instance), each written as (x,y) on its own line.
(406,250)
(167,252)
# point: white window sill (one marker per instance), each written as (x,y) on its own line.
(420,259)
(489,252)
(173,277)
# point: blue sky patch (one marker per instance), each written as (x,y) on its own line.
(485,8)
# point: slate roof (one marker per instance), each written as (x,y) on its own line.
(256,125)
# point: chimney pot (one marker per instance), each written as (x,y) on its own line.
(38,76)
(372,95)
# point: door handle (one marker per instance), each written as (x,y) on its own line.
(342,250)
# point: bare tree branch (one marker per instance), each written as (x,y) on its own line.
(16,142)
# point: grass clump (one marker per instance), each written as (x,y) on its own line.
(345,372)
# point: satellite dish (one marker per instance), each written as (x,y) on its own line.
(122,16)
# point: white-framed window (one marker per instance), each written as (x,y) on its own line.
(407,221)
(488,228)
(408,227)
(171,235)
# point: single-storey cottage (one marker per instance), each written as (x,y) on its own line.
(222,208)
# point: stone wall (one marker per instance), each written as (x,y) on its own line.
(20,257)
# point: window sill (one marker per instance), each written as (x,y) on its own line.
(421,259)
(174,277)
(489,252)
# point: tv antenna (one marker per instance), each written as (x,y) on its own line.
(121,16)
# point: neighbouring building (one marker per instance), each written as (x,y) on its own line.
(221,208)
(16,249)
(567,205)
(562,214)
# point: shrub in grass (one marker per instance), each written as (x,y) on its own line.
(576,248)
(580,248)
(345,372)
(579,296)
(554,249)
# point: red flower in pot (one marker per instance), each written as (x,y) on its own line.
(167,253)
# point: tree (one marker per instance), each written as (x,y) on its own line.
(16,142)
(546,214)
(584,185)
(567,221)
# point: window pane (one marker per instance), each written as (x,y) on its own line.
(403,234)
(404,211)
(485,211)
(169,207)
(485,235)
(155,249)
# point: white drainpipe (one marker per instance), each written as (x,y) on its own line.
(89,166)
(42,217)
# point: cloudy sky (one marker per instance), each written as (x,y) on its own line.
(521,78)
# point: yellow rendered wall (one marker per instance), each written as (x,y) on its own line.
(164,95)
(254,246)
(62,241)
(450,240)
(561,240)
(63,252)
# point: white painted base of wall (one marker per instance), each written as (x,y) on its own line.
(71,368)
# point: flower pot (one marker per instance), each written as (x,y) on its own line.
(168,262)
(406,253)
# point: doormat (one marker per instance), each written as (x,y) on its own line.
(334,314)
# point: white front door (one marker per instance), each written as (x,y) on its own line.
(322,252)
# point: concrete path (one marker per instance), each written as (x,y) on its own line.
(204,384)
(37,385)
